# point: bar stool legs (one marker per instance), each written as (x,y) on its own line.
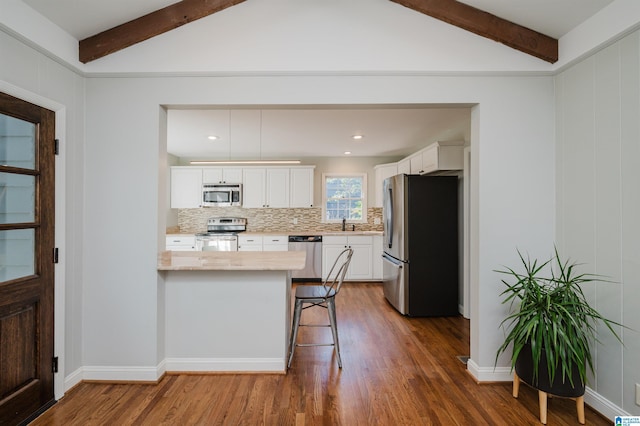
(333,323)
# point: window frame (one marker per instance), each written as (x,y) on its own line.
(362,175)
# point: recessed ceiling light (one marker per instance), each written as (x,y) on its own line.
(347,153)
(212,137)
(357,137)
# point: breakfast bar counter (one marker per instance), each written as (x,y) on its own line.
(230,261)
(226,311)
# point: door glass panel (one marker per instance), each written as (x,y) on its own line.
(17,254)
(17,198)
(17,142)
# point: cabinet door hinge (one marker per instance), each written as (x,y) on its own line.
(54,364)
(55,255)
(57,146)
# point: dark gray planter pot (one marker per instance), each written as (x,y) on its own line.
(524,370)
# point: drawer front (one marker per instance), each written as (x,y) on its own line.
(335,239)
(250,239)
(178,240)
(275,239)
(360,239)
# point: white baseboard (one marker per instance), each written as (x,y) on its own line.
(489,374)
(505,374)
(226,364)
(72,379)
(115,374)
(153,374)
(603,406)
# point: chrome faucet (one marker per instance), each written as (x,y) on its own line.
(344,224)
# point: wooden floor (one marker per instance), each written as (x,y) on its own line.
(396,371)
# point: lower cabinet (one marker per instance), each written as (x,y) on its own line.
(361,267)
(180,242)
(275,243)
(263,242)
(377,257)
(249,243)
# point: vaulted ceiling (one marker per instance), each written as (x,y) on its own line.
(529,26)
(299,131)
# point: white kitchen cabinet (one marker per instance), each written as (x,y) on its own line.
(186,187)
(301,187)
(377,257)
(275,243)
(253,187)
(361,267)
(277,187)
(442,156)
(221,175)
(178,242)
(265,187)
(383,171)
(249,243)
(415,162)
(404,166)
(252,242)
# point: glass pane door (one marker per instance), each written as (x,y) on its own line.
(17,198)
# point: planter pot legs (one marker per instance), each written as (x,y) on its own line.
(542,400)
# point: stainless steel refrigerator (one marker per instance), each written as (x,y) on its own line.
(420,217)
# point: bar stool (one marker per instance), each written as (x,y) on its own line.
(324,296)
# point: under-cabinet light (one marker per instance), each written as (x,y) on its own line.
(248,162)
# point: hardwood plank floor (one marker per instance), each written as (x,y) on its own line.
(396,371)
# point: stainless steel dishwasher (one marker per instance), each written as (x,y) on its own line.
(312,245)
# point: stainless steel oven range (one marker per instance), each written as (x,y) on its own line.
(222,234)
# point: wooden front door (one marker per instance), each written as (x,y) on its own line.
(27,186)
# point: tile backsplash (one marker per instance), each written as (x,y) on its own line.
(272,220)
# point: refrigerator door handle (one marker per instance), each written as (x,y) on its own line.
(396,262)
(390,219)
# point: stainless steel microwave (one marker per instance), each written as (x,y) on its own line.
(221,194)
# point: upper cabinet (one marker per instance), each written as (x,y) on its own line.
(265,187)
(261,186)
(221,175)
(404,166)
(301,187)
(186,187)
(437,157)
(277,188)
(253,187)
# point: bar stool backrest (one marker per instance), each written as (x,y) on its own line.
(335,277)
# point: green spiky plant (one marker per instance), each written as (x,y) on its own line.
(552,314)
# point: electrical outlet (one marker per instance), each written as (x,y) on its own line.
(637,393)
(295,220)
(376,221)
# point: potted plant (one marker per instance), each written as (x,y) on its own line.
(551,327)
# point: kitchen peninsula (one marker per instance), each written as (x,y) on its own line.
(227,311)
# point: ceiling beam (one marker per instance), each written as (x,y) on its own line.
(487,25)
(147,26)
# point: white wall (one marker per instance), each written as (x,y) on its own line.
(598,163)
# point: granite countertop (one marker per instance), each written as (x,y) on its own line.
(231,261)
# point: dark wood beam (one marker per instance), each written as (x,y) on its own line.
(487,25)
(148,26)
